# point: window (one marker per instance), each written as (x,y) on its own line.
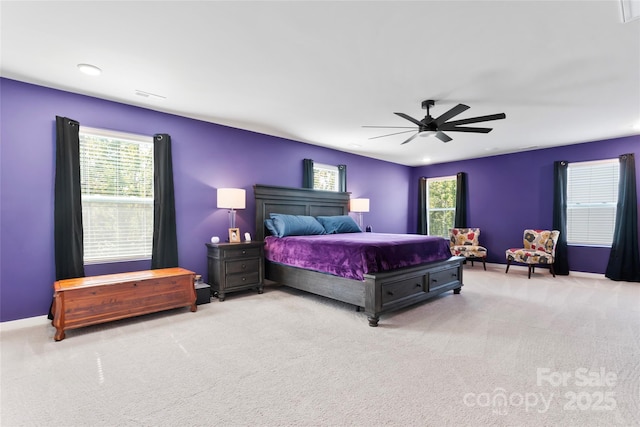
(592,196)
(441,205)
(116,178)
(326,177)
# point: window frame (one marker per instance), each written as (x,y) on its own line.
(611,204)
(148,202)
(427,201)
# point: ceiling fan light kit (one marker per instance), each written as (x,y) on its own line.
(426,133)
(430,126)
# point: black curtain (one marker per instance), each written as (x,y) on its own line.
(561,263)
(164,253)
(460,220)
(422,206)
(624,260)
(342,178)
(67,211)
(67,205)
(307,173)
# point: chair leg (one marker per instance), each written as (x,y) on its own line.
(551,268)
(530,268)
(508,264)
(483,263)
(471,259)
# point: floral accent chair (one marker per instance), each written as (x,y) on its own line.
(539,248)
(464,242)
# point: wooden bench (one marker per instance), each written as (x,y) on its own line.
(87,301)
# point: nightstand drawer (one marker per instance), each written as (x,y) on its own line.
(243,265)
(242,253)
(234,280)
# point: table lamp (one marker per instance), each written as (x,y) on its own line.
(232,199)
(359,206)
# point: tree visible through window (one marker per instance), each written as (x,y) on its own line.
(326,177)
(116,177)
(441,205)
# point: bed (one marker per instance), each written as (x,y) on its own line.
(376,293)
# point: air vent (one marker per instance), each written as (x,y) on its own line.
(149,94)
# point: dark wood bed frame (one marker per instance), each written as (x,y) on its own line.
(378,293)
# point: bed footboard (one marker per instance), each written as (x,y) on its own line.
(393,290)
(379,293)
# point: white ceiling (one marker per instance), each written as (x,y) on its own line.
(563,72)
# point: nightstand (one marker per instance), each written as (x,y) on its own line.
(235,267)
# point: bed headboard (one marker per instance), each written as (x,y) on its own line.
(296,201)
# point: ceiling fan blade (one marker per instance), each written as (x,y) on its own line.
(389,127)
(411,139)
(477,119)
(411,119)
(397,133)
(460,108)
(464,129)
(442,137)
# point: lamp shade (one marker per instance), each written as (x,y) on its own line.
(359,205)
(231,198)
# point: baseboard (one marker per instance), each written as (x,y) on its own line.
(25,322)
(585,274)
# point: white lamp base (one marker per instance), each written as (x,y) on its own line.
(359,220)
(232,218)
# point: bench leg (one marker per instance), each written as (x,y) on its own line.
(58,316)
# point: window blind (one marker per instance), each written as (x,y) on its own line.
(592,197)
(116,177)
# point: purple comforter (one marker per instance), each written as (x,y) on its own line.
(352,255)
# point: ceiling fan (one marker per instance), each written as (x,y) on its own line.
(429,125)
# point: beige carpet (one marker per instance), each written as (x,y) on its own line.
(506,351)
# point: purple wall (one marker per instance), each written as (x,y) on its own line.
(205,155)
(508,193)
(512,192)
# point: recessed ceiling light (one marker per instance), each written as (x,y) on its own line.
(630,10)
(90,70)
(356,145)
(637,126)
(426,159)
